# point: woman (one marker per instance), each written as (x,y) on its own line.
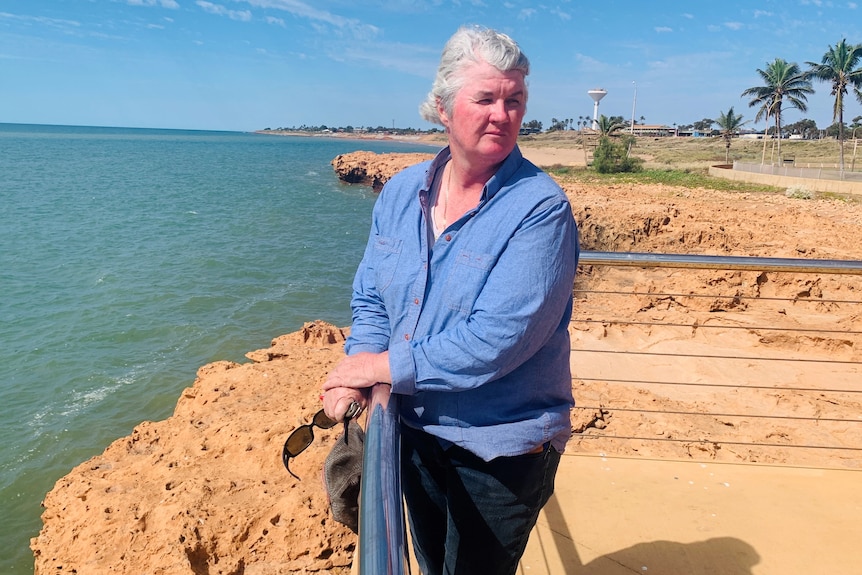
(462,302)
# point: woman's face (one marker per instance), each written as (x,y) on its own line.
(486,114)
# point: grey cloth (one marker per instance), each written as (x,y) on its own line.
(342,473)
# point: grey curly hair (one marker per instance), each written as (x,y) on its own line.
(469,45)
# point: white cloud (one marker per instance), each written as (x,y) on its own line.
(526,13)
(275,21)
(414,60)
(673,70)
(662,29)
(689,16)
(239,15)
(588,63)
(734,25)
(303,10)
(759,13)
(170,4)
(852,5)
(55,22)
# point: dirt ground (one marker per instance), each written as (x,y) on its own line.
(741,366)
(745,366)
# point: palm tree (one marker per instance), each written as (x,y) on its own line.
(729,124)
(839,66)
(608,126)
(784,82)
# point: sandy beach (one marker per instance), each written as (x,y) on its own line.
(765,367)
(545,156)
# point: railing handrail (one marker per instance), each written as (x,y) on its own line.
(835,330)
(382,532)
(744,263)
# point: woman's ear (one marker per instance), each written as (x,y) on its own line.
(441,112)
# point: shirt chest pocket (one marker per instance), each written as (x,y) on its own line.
(387,252)
(467,279)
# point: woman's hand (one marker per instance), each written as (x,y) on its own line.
(350,380)
(337,401)
(359,371)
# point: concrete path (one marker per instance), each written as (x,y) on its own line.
(616,516)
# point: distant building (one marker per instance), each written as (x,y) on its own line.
(650,130)
(693,133)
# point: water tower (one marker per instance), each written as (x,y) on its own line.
(596,94)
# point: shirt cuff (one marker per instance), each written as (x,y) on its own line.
(401,368)
(352,347)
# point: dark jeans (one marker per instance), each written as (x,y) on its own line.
(469,516)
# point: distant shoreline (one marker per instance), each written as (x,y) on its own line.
(542,156)
(430,139)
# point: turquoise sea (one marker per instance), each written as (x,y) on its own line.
(131,257)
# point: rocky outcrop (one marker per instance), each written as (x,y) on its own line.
(372,169)
(205,491)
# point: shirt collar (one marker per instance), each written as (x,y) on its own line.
(509,166)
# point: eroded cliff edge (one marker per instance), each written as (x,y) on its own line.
(205,491)
(372,169)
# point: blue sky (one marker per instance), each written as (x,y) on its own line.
(251,64)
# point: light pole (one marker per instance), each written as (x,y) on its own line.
(855,145)
(634,104)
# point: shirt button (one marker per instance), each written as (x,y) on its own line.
(406,337)
(448,237)
(416,301)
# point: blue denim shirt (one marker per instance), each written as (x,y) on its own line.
(476,323)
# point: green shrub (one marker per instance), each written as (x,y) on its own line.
(799,193)
(613,156)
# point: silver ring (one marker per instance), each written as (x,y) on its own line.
(353,410)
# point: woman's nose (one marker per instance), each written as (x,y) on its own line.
(498,111)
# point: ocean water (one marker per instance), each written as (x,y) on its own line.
(131,257)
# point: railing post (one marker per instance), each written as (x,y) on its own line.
(382,532)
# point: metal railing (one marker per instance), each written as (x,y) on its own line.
(382,531)
(705,387)
(704,262)
(795,171)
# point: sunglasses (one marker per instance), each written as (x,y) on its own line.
(302,436)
